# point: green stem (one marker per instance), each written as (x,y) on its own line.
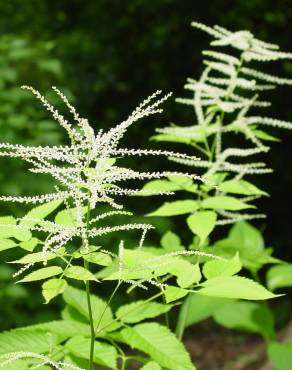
(107,305)
(134,309)
(92,331)
(87,286)
(183,313)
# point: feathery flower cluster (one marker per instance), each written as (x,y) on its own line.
(86,173)
(43,360)
(222,98)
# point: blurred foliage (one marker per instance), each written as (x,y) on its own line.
(21,119)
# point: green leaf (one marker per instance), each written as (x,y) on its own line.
(173,293)
(18,340)
(184,183)
(151,366)
(234,287)
(216,268)
(171,242)
(225,202)
(157,186)
(21,233)
(280,355)
(178,207)
(77,299)
(197,308)
(79,273)
(104,354)
(30,244)
(7,244)
(171,138)
(6,229)
(248,316)
(68,217)
(265,136)
(9,229)
(279,276)
(139,311)
(202,224)
(240,187)
(98,258)
(63,329)
(36,214)
(187,273)
(42,273)
(52,288)
(248,242)
(159,343)
(39,257)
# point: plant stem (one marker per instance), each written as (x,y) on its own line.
(87,285)
(92,331)
(134,309)
(183,313)
(107,304)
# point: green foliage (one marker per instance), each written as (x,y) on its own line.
(104,354)
(202,224)
(280,355)
(248,242)
(234,287)
(136,311)
(279,276)
(247,316)
(160,344)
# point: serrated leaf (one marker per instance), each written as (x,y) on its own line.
(249,316)
(184,182)
(202,224)
(178,207)
(68,217)
(98,258)
(157,186)
(104,354)
(52,288)
(197,308)
(77,299)
(21,233)
(39,213)
(159,343)
(216,268)
(151,366)
(39,257)
(42,273)
(279,276)
(171,138)
(79,273)
(7,244)
(173,293)
(19,340)
(248,242)
(240,187)
(139,311)
(280,355)
(225,202)
(234,287)
(64,329)
(9,229)
(30,244)
(6,230)
(171,242)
